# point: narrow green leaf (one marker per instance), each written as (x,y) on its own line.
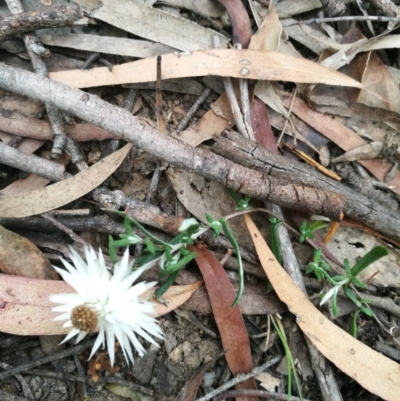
(353,324)
(111,249)
(372,256)
(231,238)
(161,290)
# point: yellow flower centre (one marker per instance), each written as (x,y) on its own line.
(84,318)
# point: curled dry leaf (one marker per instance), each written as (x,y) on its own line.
(19,257)
(249,64)
(269,33)
(372,370)
(189,391)
(25,308)
(63,192)
(240,20)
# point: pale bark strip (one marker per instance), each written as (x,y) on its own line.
(141,134)
(18,124)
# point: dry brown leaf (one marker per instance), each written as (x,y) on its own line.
(231,327)
(249,64)
(190,389)
(377,79)
(25,308)
(268,36)
(63,192)
(200,196)
(372,370)
(19,257)
(254,301)
(213,122)
(342,136)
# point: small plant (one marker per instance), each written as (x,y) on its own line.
(241,203)
(307,230)
(346,281)
(289,358)
(172,256)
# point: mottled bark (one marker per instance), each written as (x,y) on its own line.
(356,206)
(11,25)
(200,161)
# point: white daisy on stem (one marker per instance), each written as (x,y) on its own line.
(107,303)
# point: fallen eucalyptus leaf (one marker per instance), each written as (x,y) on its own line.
(54,196)
(18,256)
(372,370)
(25,308)
(249,64)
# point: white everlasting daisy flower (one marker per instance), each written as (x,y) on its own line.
(107,303)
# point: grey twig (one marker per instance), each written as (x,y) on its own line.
(63,228)
(240,378)
(154,183)
(257,393)
(31,163)
(193,109)
(230,93)
(323,371)
(26,389)
(82,373)
(245,104)
(90,60)
(5,396)
(76,349)
(236,112)
(32,44)
(112,146)
(340,19)
(87,379)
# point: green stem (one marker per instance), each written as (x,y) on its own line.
(231,238)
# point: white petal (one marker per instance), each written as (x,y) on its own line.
(66,298)
(64,316)
(139,347)
(114,298)
(81,336)
(71,334)
(111,344)
(99,340)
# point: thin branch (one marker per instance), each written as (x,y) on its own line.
(12,25)
(193,109)
(240,378)
(47,359)
(141,134)
(87,379)
(31,163)
(257,393)
(378,18)
(32,42)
